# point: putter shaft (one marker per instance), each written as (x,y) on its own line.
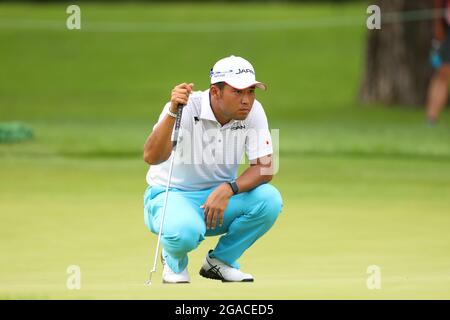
(174,147)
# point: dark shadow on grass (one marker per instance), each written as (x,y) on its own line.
(137,154)
(393,155)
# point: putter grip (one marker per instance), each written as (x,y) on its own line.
(177,126)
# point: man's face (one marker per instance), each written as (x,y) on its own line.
(235,103)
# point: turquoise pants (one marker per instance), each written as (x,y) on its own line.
(247,217)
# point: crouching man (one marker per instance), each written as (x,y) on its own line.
(206,198)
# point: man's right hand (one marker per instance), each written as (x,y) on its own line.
(180,96)
(158,146)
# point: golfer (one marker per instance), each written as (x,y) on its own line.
(438,87)
(206,197)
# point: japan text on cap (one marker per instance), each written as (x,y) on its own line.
(236,72)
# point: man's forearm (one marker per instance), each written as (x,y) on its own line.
(439,30)
(438,21)
(158,146)
(252,177)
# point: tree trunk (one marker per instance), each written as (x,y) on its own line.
(397,69)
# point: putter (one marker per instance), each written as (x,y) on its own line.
(174,147)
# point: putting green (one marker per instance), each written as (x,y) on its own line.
(340,216)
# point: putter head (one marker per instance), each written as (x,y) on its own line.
(149,280)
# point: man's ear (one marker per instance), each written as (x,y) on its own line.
(215,91)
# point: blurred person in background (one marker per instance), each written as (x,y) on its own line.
(440,59)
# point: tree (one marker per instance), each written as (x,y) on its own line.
(397,71)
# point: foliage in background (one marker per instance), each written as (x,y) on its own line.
(14,132)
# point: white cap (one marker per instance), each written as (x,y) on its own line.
(236,72)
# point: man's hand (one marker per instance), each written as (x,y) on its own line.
(180,96)
(214,207)
(158,146)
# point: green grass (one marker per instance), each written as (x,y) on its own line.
(340,216)
(361,185)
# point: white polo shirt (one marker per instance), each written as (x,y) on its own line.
(208,153)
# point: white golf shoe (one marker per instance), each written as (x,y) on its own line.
(215,269)
(169,276)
